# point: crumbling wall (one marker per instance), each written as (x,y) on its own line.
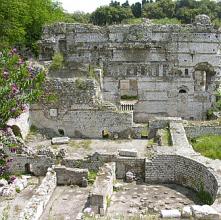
(162,59)
(70,176)
(196,131)
(89,124)
(102,188)
(36,164)
(181,170)
(36,205)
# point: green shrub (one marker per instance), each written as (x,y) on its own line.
(204,196)
(81,84)
(92,176)
(57,61)
(17,190)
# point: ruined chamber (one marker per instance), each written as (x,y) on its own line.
(161,70)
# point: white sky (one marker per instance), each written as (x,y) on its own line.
(87,5)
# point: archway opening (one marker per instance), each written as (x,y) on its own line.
(182,91)
(28,168)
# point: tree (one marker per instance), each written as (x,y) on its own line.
(21,22)
(20,85)
(114,3)
(159,9)
(126,4)
(107,15)
(136,9)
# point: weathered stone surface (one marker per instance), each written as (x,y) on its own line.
(174,213)
(60,140)
(103,188)
(128,153)
(205,212)
(186,212)
(35,206)
(71,176)
(130,177)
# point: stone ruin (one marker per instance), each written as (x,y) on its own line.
(113,81)
(115,76)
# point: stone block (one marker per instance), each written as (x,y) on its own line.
(205,212)
(128,152)
(186,212)
(173,213)
(60,140)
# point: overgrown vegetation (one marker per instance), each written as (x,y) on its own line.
(57,61)
(216,106)
(208,145)
(92,176)
(85,144)
(81,84)
(204,196)
(166,138)
(20,84)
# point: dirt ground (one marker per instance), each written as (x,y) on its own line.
(13,206)
(65,203)
(144,198)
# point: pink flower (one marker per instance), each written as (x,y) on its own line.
(14,50)
(5,74)
(24,108)
(15,89)
(21,61)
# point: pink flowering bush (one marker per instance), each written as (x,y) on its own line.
(20,85)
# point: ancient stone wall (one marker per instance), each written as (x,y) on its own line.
(196,131)
(174,68)
(90,124)
(36,165)
(181,170)
(70,176)
(134,165)
(102,188)
(36,205)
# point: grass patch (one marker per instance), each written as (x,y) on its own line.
(92,176)
(167,137)
(132,21)
(208,145)
(57,61)
(166,21)
(85,144)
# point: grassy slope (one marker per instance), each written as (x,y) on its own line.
(208,146)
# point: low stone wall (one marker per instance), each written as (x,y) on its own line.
(70,176)
(162,122)
(36,205)
(196,131)
(181,170)
(134,165)
(36,165)
(93,162)
(102,189)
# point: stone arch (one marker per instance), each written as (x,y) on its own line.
(183,90)
(203,73)
(16,130)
